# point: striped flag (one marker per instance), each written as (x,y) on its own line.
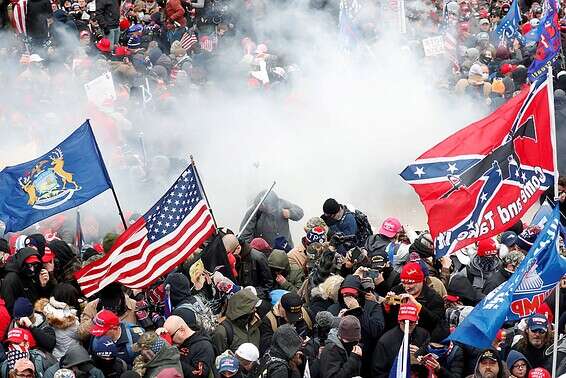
(157,242)
(20,11)
(401,366)
(188,40)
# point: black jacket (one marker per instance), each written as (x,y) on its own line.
(266,331)
(496,279)
(336,362)
(388,346)
(16,285)
(253,270)
(197,356)
(38,11)
(431,316)
(370,316)
(108,14)
(390,280)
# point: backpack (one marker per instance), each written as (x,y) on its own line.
(364,228)
(268,361)
(206,320)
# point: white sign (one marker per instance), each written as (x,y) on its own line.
(433,46)
(101,89)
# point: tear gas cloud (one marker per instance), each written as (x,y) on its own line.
(345,128)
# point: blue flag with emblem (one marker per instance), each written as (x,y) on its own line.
(65,177)
(508,27)
(522,294)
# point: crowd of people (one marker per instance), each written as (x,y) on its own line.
(332,304)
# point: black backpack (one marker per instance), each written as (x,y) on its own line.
(364,228)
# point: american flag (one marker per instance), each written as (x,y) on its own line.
(188,40)
(155,244)
(449,28)
(20,11)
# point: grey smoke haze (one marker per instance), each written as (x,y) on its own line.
(347,128)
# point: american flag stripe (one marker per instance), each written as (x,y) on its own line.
(20,10)
(134,264)
(159,241)
(188,40)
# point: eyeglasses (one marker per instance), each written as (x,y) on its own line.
(25,375)
(174,333)
(520,366)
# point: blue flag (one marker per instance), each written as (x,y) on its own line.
(65,177)
(521,295)
(548,47)
(508,27)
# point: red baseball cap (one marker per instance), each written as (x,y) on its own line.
(103,322)
(48,256)
(507,68)
(19,335)
(487,247)
(408,311)
(412,273)
(32,259)
(349,291)
(539,373)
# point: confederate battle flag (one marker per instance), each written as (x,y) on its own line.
(482,179)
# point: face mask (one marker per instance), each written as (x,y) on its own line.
(349,345)
(29,270)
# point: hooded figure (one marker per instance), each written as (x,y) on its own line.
(78,360)
(278,262)
(271,220)
(369,314)
(155,356)
(284,347)
(22,278)
(241,324)
(252,267)
(66,261)
(518,364)
(338,359)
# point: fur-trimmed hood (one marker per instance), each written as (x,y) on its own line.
(59,314)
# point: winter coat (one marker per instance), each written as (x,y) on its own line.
(431,316)
(197,356)
(278,260)
(266,328)
(64,321)
(388,346)
(268,223)
(391,278)
(75,356)
(275,364)
(377,245)
(41,361)
(253,270)
(38,11)
(336,362)
(5,320)
(167,357)
(174,15)
(238,310)
(90,311)
(370,315)
(297,266)
(503,373)
(496,279)
(108,14)
(16,284)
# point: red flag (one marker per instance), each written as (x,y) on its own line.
(157,242)
(481,180)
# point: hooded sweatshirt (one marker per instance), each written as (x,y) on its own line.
(336,361)
(197,356)
(502,369)
(16,284)
(241,319)
(286,342)
(167,357)
(278,260)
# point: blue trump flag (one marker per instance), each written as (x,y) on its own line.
(508,27)
(65,177)
(519,296)
(548,47)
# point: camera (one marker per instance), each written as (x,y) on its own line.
(393,300)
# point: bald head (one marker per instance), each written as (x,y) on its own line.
(177,329)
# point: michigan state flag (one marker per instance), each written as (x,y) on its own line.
(65,177)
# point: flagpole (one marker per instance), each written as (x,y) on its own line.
(120,212)
(550,78)
(255,210)
(199,183)
(405,349)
